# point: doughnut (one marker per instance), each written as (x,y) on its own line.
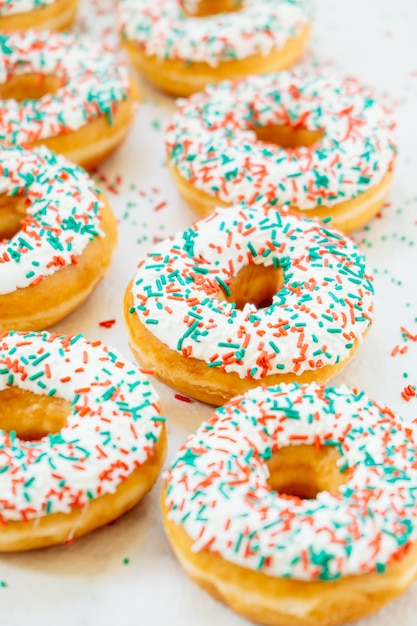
(315,142)
(82,438)
(57,236)
(24,14)
(182,52)
(248,296)
(296,504)
(66,92)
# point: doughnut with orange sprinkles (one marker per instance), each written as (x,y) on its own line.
(24,14)
(57,237)
(297,505)
(82,438)
(248,296)
(318,143)
(182,52)
(66,92)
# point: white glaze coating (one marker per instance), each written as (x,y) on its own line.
(10,7)
(62,215)
(212,143)
(112,427)
(162,29)
(217,487)
(324,305)
(94,81)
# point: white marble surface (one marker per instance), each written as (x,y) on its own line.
(89,582)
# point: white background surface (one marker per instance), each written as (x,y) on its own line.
(89,582)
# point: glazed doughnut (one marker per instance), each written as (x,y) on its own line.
(59,236)
(248,296)
(297,505)
(24,14)
(66,92)
(82,438)
(182,53)
(317,143)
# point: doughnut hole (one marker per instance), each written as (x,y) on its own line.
(303,471)
(287,137)
(254,284)
(13,210)
(205,8)
(29,87)
(30,415)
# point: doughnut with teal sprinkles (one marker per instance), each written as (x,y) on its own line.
(217,157)
(60,235)
(212,332)
(98,463)
(24,14)
(91,84)
(183,53)
(9,7)
(353,547)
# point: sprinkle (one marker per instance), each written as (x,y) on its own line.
(107,323)
(178,396)
(408,392)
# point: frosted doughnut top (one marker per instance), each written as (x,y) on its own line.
(162,29)
(217,487)
(324,305)
(212,143)
(93,81)
(9,7)
(63,215)
(113,425)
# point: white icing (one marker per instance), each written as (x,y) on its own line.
(217,487)
(323,307)
(62,215)
(10,7)
(111,430)
(162,29)
(212,143)
(94,81)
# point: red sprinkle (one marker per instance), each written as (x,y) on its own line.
(178,396)
(408,392)
(107,323)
